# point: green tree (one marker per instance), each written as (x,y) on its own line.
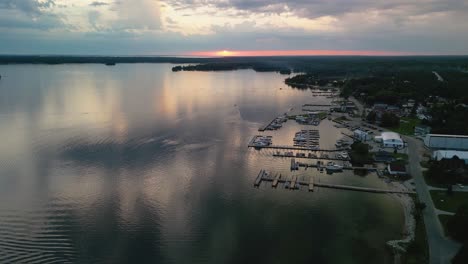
(371,117)
(462,255)
(456,226)
(390,120)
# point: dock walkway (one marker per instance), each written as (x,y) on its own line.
(264,176)
(251,145)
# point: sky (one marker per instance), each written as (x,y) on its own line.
(234,27)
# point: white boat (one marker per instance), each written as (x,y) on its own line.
(331,166)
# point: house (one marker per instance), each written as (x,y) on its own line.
(380,106)
(449,154)
(390,140)
(361,135)
(449,142)
(422,130)
(383,156)
(396,169)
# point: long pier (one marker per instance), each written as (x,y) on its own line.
(263,128)
(326,105)
(294,181)
(315,109)
(306,157)
(251,145)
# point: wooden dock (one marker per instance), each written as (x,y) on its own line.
(276,181)
(263,128)
(285,147)
(258,180)
(306,157)
(311,184)
(361,189)
(264,176)
(324,105)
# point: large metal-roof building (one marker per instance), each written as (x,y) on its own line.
(448,154)
(439,141)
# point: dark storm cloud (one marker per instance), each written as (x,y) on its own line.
(318,8)
(27,6)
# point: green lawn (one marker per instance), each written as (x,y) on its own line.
(401,157)
(407,128)
(322,115)
(429,181)
(443,221)
(341,118)
(448,203)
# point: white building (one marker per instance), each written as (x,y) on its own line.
(448,154)
(361,135)
(390,140)
(453,142)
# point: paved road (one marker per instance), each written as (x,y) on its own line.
(441,248)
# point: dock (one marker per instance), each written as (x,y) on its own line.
(258,180)
(323,105)
(294,165)
(264,176)
(276,181)
(292,186)
(361,189)
(311,184)
(286,147)
(307,157)
(263,128)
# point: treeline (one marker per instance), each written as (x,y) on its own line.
(307,80)
(395,87)
(230,66)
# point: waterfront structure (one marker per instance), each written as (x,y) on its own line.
(361,135)
(390,140)
(449,154)
(449,142)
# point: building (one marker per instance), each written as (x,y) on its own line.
(383,156)
(361,135)
(449,154)
(422,130)
(390,140)
(396,169)
(451,142)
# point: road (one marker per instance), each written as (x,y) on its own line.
(441,248)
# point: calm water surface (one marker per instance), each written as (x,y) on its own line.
(137,164)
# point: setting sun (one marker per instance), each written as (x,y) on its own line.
(224,53)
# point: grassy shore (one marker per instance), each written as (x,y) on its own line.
(417,251)
(449,203)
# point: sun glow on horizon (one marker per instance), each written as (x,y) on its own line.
(225,53)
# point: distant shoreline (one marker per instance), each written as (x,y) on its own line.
(88,59)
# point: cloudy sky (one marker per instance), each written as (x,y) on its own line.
(202,27)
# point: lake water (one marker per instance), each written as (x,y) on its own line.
(137,164)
